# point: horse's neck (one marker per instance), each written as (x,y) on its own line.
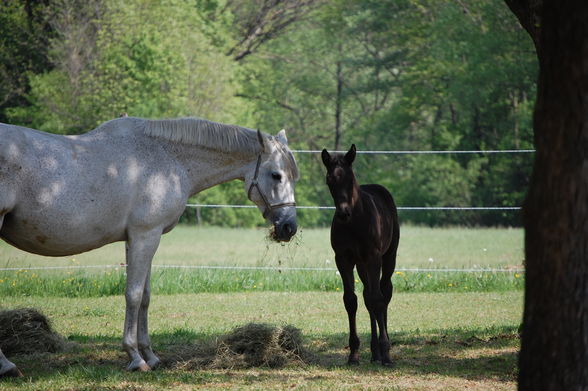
(206,167)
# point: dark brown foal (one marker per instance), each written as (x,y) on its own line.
(364,234)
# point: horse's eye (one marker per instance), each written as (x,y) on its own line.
(277,176)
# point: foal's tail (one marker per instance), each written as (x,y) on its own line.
(393,249)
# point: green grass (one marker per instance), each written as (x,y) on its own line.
(441,341)
(196,246)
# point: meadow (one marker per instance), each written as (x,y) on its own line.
(450,330)
(441,341)
(215,260)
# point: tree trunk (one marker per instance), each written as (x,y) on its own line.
(554,350)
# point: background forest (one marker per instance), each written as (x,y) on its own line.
(383,74)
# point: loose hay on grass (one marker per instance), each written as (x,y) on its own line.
(252,345)
(27,331)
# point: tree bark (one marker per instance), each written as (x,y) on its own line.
(554,348)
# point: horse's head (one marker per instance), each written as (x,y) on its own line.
(341,182)
(271,185)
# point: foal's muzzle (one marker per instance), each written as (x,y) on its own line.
(343,213)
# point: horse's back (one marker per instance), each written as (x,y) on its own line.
(68,194)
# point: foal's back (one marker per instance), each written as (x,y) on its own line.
(381,209)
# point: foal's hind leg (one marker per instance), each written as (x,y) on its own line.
(350,300)
(376,305)
(386,287)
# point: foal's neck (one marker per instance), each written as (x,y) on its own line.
(356,201)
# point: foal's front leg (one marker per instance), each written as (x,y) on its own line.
(141,247)
(350,300)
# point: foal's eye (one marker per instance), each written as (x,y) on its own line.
(277,176)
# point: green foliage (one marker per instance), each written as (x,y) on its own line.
(383,74)
(130,67)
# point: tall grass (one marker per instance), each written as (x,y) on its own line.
(196,246)
(174,281)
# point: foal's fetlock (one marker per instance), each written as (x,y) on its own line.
(353,359)
(385,354)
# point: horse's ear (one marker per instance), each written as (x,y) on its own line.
(281,137)
(261,140)
(350,155)
(326,158)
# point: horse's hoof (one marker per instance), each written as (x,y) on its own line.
(140,366)
(14,372)
(154,363)
(10,370)
(388,364)
(353,363)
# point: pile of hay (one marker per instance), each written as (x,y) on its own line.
(26,331)
(252,345)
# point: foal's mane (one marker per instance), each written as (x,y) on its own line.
(196,131)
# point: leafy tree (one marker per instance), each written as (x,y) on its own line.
(104,67)
(24,35)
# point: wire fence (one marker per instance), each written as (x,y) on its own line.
(323,269)
(266,268)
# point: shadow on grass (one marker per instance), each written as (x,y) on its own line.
(473,354)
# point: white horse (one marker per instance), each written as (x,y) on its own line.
(129,180)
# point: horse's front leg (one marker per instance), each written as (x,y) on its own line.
(141,247)
(143,329)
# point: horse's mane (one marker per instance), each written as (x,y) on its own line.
(196,131)
(228,138)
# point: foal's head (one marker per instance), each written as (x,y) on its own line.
(341,182)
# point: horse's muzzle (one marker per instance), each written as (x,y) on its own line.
(284,221)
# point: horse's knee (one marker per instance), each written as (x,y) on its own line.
(134,296)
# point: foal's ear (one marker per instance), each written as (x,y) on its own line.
(350,155)
(326,158)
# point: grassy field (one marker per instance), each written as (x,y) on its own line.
(441,341)
(190,245)
(430,248)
